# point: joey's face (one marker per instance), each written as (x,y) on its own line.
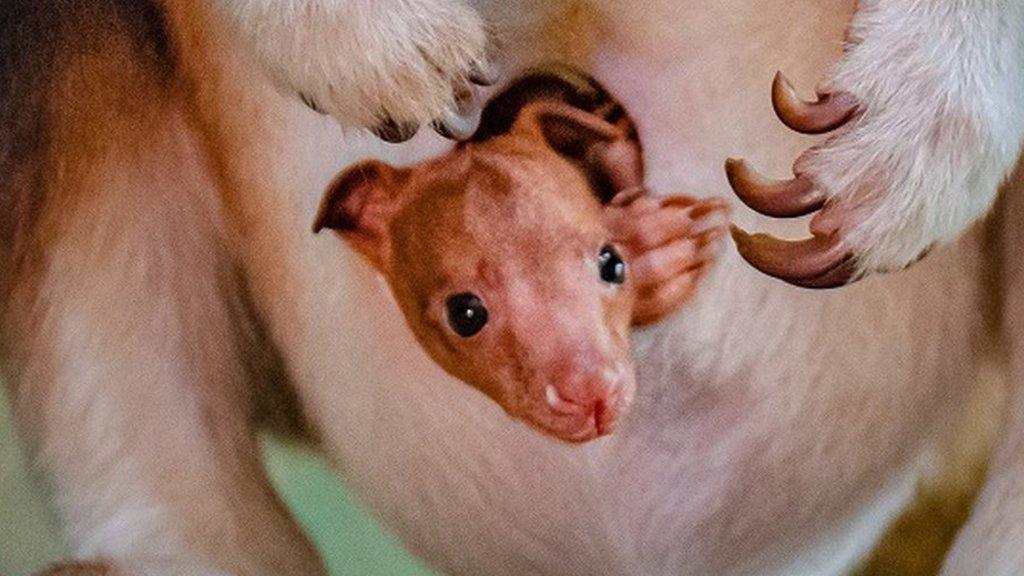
(513,285)
(500,256)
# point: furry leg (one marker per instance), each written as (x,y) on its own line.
(126,362)
(990,543)
(928,97)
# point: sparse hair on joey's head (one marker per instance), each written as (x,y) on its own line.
(563,110)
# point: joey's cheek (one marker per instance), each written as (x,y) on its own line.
(492,381)
(618,313)
(481,364)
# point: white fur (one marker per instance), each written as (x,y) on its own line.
(362,60)
(759,421)
(835,550)
(125,399)
(990,543)
(940,85)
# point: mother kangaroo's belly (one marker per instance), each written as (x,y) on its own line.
(775,431)
(772,427)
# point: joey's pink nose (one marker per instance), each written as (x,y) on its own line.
(589,406)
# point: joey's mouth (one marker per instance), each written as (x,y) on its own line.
(581,419)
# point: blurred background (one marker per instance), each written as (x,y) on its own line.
(351,542)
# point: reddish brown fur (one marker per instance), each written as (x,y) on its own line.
(513,219)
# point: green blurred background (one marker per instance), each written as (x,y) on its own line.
(352,543)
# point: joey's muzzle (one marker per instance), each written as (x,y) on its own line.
(583,399)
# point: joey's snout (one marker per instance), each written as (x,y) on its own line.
(583,396)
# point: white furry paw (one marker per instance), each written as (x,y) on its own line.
(387,65)
(925,130)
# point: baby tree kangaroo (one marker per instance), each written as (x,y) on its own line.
(522,258)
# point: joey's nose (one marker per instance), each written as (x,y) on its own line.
(592,400)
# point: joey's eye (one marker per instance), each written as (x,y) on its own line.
(611,266)
(466,314)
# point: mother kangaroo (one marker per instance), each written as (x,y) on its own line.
(161,163)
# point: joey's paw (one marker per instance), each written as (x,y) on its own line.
(387,66)
(670,243)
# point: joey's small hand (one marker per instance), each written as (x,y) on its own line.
(670,242)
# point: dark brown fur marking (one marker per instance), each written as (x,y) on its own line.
(36,37)
(564,84)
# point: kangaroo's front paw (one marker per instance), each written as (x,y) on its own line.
(828,258)
(388,66)
(670,243)
(924,128)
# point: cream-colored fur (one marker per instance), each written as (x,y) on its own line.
(136,412)
(989,544)
(776,430)
(940,87)
(363,60)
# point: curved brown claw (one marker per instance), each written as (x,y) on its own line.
(843,274)
(816,262)
(829,112)
(394,132)
(823,260)
(776,198)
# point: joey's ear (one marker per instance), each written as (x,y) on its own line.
(609,154)
(359,205)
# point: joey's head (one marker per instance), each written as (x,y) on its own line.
(501,260)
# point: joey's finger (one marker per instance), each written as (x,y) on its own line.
(654,305)
(661,264)
(682,201)
(706,253)
(668,224)
(622,219)
(635,201)
(658,228)
(709,205)
(691,256)
(708,218)
(709,247)
(626,197)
